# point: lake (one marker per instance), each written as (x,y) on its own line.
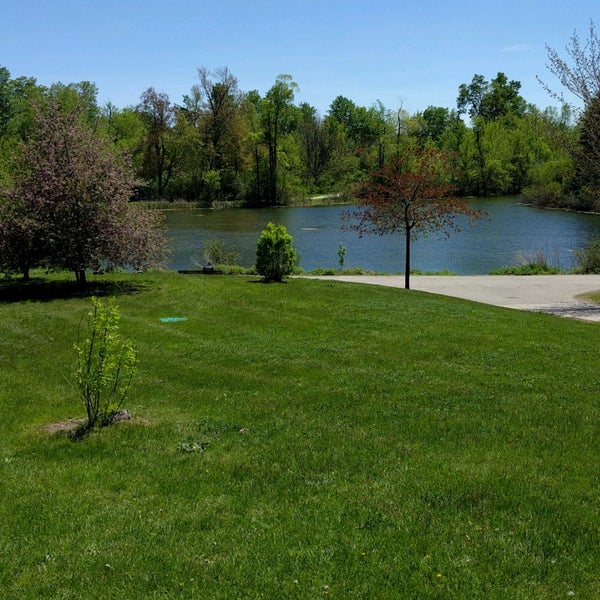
(512,235)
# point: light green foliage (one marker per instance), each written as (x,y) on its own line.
(106,364)
(528,269)
(217,253)
(275,256)
(225,145)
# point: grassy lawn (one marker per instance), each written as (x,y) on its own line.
(303,440)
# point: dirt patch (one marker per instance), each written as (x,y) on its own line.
(75,423)
(63,426)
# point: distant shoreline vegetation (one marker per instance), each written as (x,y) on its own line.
(318,200)
(220,146)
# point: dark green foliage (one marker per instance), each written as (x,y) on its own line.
(579,73)
(225,147)
(490,101)
(587,156)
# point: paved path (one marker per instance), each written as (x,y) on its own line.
(555,294)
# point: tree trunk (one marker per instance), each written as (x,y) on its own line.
(257,193)
(272,173)
(407,261)
(483,187)
(80,278)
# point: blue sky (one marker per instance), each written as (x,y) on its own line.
(411,54)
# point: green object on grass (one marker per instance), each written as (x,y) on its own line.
(172,319)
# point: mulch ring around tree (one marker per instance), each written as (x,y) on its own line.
(74,424)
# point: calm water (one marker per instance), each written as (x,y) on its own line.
(512,233)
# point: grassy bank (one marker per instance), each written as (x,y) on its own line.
(304,440)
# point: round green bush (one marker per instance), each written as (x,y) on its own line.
(275,256)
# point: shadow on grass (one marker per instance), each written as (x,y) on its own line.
(43,290)
(268,281)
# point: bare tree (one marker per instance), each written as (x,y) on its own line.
(223,100)
(580,72)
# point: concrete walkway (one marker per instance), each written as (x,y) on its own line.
(555,294)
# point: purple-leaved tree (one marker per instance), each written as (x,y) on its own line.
(413,195)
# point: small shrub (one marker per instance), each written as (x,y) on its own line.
(216,253)
(275,256)
(106,365)
(538,262)
(234,270)
(341,252)
(321,271)
(588,258)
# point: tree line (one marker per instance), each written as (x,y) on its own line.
(220,144)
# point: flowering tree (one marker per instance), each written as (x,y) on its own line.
(70,203)
(413,194)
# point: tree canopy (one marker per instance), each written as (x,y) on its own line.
(68,207)
(412,194)
(219,145)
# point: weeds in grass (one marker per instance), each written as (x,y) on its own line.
(188,447)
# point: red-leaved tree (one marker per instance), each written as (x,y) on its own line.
(69,207)
(412,194)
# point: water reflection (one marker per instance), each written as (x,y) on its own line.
(513,232)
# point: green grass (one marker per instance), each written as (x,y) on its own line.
(591,297)
(301,440)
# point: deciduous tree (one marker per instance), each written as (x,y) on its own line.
(277,120)
(580,72)
(316,146)
(160,150)
(220,89)
(488,103)
(412,194)
(70,201)
(587,154)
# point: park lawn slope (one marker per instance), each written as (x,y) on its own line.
(301,440)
